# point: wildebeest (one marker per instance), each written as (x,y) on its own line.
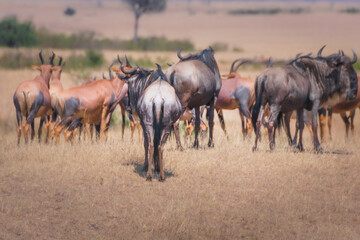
(32,100)
(307,83)
(197,82)
(92,103)
(158,107)
(236,92)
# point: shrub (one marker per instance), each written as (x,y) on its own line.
(15,34)
(17,59)
(351,10)
(219,46)
(92,59)
(69,11)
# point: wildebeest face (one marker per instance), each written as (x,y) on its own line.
(351,77)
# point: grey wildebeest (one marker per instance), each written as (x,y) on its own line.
(155,102)
(236,92)
(32,100)
(197,82)
(307,83)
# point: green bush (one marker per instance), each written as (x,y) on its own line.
(92,59)
(219,46)
(269,11)
(357,66)
(351,10)
(15,34)
(69,11)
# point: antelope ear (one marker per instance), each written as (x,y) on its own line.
(56,68)
(115,69)
(36,67)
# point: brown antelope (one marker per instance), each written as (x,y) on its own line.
(341,108)
(55,87)
(89,104)
(32,100)
(197,82)
(236,93)
(158,107)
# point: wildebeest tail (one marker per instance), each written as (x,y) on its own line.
(258,103)
(158,115)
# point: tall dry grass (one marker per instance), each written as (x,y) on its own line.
(98,190)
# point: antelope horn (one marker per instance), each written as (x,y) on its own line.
(320,51)
(132,71)
(110,73)
(233,64)
(52,59)
(41,57)
(181,57)
(241,63)
(355,57)
(60,61)
(158,66)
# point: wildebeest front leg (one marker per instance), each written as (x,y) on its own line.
(314,126)
(211,122)
(197,127)
(330,122)
(300,120)
(177,135)
(274,112)
(33,130)
(352,115)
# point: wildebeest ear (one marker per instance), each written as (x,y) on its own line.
(36,67)
(122,77)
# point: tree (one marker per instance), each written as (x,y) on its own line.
(15,34)
(140,7)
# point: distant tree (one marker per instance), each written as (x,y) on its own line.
(69,11)
(140,7)
(15,34)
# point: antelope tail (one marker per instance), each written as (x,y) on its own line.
(158,114)
(258,103)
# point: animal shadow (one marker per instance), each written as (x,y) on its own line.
(139,169)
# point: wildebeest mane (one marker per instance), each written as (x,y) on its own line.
(207,57)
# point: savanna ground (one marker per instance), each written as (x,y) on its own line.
(98,191)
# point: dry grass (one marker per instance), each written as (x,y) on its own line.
(98,191)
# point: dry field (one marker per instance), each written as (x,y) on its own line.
(98,190)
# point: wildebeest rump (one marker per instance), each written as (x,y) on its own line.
(197,82)
(158,108)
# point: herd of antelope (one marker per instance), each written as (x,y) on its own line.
(159,100)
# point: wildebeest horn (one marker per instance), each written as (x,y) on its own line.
(52,59)
(60,61)
(342,53)
(127,62)
(41,57)
(158,66)
(298,55)
(241,63)
(355,57)
(132,71)
(269,63)
(320,51)
(181,57)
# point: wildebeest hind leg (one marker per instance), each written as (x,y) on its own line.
(300,120)
(274,112)
(258,125)
(197,127)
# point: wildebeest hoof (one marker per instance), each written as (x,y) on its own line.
(149,179)
(196,146)
(180,148)
(210,144)
(254,149)
(161,179)
(319,150)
